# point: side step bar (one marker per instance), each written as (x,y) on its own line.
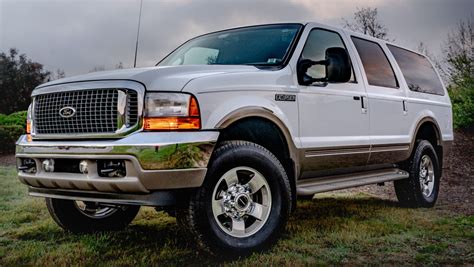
(336,182)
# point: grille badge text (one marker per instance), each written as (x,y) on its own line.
(67,112)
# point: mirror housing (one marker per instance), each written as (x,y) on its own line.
(338,67)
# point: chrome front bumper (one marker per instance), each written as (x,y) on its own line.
(153,161)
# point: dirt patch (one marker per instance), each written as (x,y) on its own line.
(457,187)
(7,159)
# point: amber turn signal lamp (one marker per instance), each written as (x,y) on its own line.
(173,123)
(28,126)
(193,107)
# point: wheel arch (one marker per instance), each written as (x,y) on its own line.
(236,125)
(428,129)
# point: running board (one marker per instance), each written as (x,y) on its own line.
(336,182)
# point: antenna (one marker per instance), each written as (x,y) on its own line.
(138,34)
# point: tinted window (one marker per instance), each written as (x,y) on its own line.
(376,65)
(315,49)
(266,45)
(418,71)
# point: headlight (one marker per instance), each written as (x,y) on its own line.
(171,111)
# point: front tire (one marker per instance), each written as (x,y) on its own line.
(244,203)
(87,217)
(422,187)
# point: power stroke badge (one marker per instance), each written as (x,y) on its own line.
(285,97)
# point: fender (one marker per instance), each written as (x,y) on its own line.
(262,112)
(417,128)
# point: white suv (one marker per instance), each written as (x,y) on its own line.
(227,130)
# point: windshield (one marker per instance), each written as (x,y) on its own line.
(257,45)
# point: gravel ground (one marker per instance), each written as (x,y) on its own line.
(457,187)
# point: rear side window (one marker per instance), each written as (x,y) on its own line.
(418,71)
(376,65)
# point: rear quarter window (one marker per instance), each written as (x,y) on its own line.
(418,71)
(377,68)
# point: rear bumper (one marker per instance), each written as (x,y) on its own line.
(153,161)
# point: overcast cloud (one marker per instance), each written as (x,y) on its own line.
(77,36)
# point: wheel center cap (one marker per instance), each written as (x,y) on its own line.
(242,202)
(237,201)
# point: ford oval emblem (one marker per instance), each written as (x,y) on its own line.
(67,112)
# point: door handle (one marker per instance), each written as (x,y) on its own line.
(405,109)
(363,103)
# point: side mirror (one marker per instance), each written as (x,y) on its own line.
(337,65)
(339,68)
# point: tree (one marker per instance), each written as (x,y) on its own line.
(459,53)
(367,22)
(458,67)
(423,49)
(59,74)
(98,68)
(18,77)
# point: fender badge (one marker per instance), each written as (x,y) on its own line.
(284,97)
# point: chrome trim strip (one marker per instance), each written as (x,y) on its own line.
(78,86)
(336,151)
(349,150)
(389,148)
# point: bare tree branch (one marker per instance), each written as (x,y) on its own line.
(366,21)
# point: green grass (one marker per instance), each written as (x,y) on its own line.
(332,229)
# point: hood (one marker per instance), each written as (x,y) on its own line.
(168,78)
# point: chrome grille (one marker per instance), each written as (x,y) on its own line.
(132,108)
(96,111)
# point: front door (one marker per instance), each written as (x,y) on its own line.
(333,117)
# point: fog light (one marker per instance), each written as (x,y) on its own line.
(48,165)
(111,168)
(83,167)
(27,165)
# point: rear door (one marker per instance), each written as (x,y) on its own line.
(389,129)
(334,124)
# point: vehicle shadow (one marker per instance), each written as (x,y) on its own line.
(155,238)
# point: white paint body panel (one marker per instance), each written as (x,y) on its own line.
(320,117)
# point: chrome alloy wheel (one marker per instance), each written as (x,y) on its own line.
(241,202)
(94,210)
(427,176)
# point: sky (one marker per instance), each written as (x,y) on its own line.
(79,35)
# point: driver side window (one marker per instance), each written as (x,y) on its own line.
(315,49)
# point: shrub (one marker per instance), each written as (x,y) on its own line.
(11,127)
(17,118)
(462,99)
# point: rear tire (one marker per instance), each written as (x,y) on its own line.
(422,187)
(244,203)
(86,217)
